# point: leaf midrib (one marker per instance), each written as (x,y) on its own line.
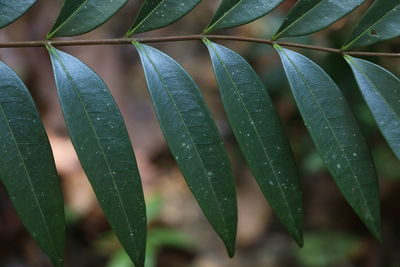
(295,22)
(368,29)
(188,132)
(98,142)
(258,135)
(68,19)
(333,132)
(210,28)
(366,77)
(145,18)
(29,179)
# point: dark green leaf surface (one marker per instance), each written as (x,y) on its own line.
(10,10)
(381,91)
(81,16)
(309,16)
(258,130)
(233,13)
(156,14)
(102,143)
(27,167)
(380,22)
(193,139)
(336,135)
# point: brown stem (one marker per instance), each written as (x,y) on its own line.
(43,43)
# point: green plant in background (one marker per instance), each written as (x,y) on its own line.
(100,139)
(327,249)
(157,238)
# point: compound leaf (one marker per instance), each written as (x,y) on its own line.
(336,135)
(102,143)
(381,91)
(260,135)
(27,166)
(309,16)
(11,10)
(193,139)
(156,14)
(233,13)
(380,22)
(81,16)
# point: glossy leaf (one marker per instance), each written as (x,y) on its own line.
(381,91)
(380,22)
(102,143)
(81,16)
(11,10)
(156,14)
(27,166)
(233,13)
(260,135)
(309,16)
(193,139)
(336,135)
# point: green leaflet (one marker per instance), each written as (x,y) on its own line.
(27,167)
(156,14)
(258,130)
(81,16)
(233,13)
(102,143)
(309,16)
(380,22)
(381,91)
(336,135)
(193,139)
(10,10)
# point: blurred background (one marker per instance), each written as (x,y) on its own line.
(178,233)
